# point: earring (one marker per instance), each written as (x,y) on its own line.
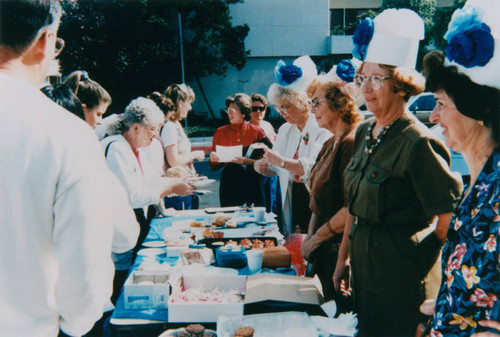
(480,123)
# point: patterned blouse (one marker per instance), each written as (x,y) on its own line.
(470,287)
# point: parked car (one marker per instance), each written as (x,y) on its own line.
(420,105)
(458,163)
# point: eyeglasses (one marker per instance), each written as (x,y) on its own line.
(283,109)
(59,46)
(231,110)
(314,103)
(376,81)
(259,108)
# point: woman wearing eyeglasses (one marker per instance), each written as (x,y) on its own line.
(298,143)
(335,110)
(135,129)
(239,183)
(397,183)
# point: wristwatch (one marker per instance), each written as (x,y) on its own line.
(282,165)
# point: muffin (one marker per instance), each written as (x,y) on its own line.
(244,332)
(195,330)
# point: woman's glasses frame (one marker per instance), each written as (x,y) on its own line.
(314,103)
(375,81)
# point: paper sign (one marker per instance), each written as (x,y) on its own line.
(228,153)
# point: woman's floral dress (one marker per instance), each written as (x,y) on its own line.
(470,288)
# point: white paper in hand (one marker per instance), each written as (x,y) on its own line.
(228,153)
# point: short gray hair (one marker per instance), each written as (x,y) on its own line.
(142,111)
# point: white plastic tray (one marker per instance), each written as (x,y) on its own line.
(269,325)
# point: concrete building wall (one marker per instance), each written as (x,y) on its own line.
(355,4)
(255,77)
(284,27)
(372,3)
(279,29)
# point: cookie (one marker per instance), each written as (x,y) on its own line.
(244,332)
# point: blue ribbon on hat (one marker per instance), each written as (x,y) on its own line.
(362,37)
(470,42)
(84,75)
(345,70)
(286,74)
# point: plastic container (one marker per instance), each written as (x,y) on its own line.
(231,257)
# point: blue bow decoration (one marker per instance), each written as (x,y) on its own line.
(362,37)
(470,42)
(286,74)
(345,70)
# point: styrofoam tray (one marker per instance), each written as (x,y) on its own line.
(283,324)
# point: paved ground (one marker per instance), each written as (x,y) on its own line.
(210,199)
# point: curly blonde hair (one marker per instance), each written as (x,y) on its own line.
(338,100)
(279,94)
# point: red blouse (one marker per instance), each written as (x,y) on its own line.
(236,134)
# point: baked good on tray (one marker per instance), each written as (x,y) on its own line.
(244,332)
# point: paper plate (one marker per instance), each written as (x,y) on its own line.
(151,252)
(198,178)
(202,183)
(154,244)
(202,191)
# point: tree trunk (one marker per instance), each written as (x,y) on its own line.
(205,98)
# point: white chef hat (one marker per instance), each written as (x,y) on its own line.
(296,76)
(474,41)
(391,38)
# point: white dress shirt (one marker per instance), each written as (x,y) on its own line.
(124,164)
(56,228)
(309,142)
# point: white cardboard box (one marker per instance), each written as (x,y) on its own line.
(146,296)
(206,312)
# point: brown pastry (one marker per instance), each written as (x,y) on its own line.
(177,172)
(256,243)
(244,332)
(195,330)
(246,243)
(207,233)
(220,221)
(269,244)
(197,224)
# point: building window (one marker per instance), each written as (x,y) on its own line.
(343,21)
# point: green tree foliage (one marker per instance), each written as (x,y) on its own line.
(440,25)
(132,47)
